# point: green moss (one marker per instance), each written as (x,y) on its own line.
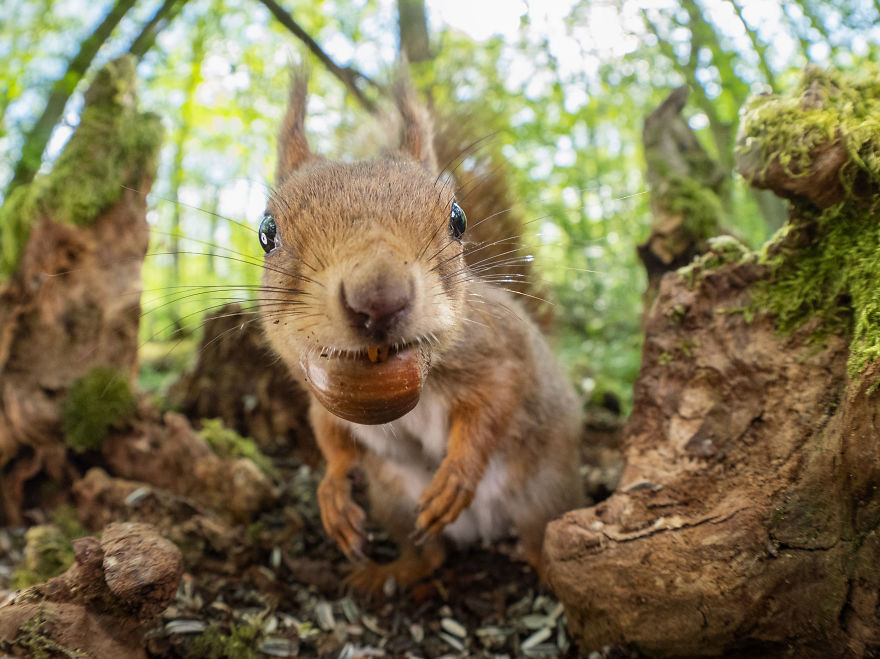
(699,206)
(255,531)
(112,146)
(49,548)
(844,106)
(824,264)
(719,251)
(825,267)
(97,402)
(227,443)
(32,636)
(66,519)
(687,347)
(239,643)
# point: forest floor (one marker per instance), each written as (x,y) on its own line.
(276,586)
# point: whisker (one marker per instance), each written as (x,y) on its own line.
(464,153)
(471,320)
(196,208)
(262,265)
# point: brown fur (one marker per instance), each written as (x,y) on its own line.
(346,229)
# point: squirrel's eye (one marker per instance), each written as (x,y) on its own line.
(267,233)
(457,221)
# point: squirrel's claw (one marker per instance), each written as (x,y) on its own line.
(343,519)
(442,503)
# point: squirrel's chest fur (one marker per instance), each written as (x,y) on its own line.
(412,448)
(420,436)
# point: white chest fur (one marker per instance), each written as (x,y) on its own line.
(414,446)
(418,436)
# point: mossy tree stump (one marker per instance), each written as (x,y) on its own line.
(71,248)
(746,520)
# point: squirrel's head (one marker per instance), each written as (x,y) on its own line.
(364,278)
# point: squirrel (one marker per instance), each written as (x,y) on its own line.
(434,382)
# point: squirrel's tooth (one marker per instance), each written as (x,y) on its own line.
(373,353)
(383,353)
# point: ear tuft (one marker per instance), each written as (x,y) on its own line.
(293,147)
(417,133)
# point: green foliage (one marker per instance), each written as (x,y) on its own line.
(49,549)
(95,403)
(227,443)
(239,643)
(111,141)
(825,265)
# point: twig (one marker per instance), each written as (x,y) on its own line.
(350,77)
(163,16)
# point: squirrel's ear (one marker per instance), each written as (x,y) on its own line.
(417,133)
(293,147)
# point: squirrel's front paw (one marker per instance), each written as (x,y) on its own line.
(343,519)
(448,494)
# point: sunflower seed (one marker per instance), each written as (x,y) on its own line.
(349,609)
(451,640)
(136,495)
(454,627)
(185,627)
(538,637)
(276,646)
(324,614)
(537,621)
(371,623)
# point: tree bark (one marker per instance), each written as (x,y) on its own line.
(38,137)
(685,192)
(412,21)
(238,379)
(72,302)
(746,519)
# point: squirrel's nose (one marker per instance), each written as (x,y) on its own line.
(376,305)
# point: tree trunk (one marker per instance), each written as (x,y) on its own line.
(238,379)
(745,523)
(72,302)
(412,22)
(685,192)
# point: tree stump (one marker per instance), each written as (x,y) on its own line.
(72,300)
(103,605)
(746,519)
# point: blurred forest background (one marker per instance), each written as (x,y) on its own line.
(559,89)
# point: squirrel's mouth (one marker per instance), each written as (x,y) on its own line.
(375,353)
(377,384)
